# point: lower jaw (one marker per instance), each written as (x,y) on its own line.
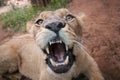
(62,68)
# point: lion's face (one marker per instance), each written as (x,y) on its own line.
(56,33)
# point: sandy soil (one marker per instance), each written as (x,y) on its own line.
(101,34)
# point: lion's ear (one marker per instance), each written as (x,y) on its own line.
(29,26)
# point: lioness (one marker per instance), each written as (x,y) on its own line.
(51,51)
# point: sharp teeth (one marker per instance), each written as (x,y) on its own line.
(50,43)
(66,48)
(47,50)
(60,41)
(58,64)
(64,63)
(66,60)
(53,62)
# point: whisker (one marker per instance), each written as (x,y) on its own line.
(71,32)
(85,41)
(80,45)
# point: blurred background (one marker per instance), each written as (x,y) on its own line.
(101,29)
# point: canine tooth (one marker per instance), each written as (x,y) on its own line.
(66,60)
(60,41)
(66,48)
(53,62)
(53,42)
(50,43)
(47,50)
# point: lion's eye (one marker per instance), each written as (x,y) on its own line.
(39,21)
(69,17)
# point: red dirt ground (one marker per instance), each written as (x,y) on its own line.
(101,33)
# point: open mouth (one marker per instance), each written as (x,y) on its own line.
(60,58)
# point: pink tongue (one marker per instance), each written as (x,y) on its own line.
(59,52)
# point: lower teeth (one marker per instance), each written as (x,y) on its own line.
(59,64)
(47,50)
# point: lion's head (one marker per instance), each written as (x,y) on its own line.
(56,33)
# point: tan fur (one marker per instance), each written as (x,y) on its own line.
(25,52)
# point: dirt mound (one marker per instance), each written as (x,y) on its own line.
(102,33)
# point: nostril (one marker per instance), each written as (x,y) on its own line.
(64,24)
(55,26)
(48,27)
(61,25)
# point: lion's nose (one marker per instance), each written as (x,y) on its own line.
(55,26)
